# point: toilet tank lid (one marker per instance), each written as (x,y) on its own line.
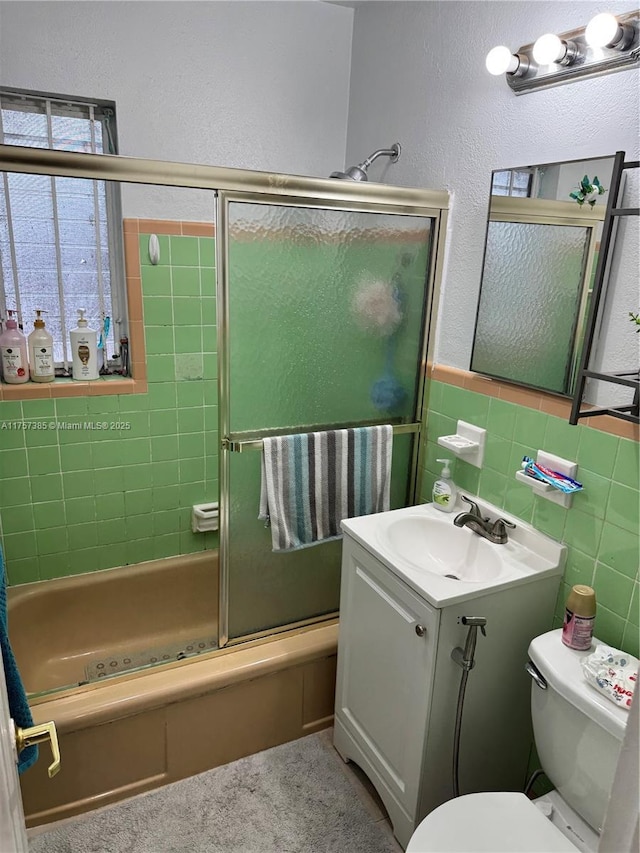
(561,668)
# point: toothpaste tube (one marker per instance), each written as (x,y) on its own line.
(552,478)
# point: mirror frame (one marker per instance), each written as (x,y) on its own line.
(546,212)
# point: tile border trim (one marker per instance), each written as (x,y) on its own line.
(547,403)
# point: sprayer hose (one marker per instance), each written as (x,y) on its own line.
(456,734)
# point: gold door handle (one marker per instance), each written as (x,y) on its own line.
(39,734)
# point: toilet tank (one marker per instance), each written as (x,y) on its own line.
(578,731)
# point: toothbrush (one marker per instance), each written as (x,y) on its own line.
(552,478)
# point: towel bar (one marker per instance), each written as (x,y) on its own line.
(238,445)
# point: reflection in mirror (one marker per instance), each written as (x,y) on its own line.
(541,251)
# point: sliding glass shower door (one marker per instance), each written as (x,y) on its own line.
(321,326)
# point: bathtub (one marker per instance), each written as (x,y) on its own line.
(122,732)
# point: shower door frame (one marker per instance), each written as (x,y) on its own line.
(230,184)
(237,441)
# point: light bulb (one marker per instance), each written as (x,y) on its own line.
(602,30)
(549,49)
(500,60)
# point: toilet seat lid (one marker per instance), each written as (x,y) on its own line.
(503,822)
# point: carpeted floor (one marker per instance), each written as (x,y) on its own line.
(294,798)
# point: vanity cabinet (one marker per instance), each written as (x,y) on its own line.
(388,637)
(397,685)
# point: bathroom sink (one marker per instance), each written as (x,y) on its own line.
(435,545)
(446,564)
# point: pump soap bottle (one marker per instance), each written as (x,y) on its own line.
(84,350)
(41,352)
(13,351)
(445,490)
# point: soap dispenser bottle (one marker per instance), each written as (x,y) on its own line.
(445,490)
(41,352)
(13,351)
(84,350)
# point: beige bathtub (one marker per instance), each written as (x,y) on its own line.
(123,734)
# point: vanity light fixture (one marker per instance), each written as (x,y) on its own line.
(607,43)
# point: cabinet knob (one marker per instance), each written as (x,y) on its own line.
(421,630)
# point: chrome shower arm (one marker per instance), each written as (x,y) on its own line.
(359,173)
(393,153)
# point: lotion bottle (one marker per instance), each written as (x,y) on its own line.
(41,363)
(445,490)
(84,350)
(13,351)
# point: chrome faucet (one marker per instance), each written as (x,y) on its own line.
(494,531)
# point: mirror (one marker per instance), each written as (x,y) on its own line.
(541,250)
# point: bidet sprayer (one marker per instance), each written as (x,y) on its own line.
(465,657)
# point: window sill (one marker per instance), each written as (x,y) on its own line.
(106,385)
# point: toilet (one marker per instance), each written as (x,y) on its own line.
(578,734)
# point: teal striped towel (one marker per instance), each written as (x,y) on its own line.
(311,481)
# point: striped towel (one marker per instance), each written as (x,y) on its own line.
(311,481)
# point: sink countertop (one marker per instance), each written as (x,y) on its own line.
(526,557)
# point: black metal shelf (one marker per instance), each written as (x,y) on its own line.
(629,378)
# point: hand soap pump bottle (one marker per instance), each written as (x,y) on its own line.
(13,350)
(84,350)
(445,490)
(41,352)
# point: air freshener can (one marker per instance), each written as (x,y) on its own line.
(579,616)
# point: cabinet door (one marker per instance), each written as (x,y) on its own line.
(385,669)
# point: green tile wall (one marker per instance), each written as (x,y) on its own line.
(601,529)
(73,501)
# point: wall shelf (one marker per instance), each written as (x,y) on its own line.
(629,378)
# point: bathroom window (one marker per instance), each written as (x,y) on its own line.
(513,182)
(61,238)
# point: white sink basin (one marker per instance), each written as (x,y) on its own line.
(435,545)
(447,564)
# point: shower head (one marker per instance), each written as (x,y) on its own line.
(359,173)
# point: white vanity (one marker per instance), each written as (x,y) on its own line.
(397,685)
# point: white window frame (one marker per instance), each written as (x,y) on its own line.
(532,191)
(98,110)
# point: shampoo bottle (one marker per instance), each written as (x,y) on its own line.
(84,350)
(445,490)
(13,351)
(41,352)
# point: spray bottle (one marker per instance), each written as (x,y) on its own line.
(13,351)
(41,352)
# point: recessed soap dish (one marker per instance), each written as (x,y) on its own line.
(457,442)
(537,485)
(545,490)
(467,443)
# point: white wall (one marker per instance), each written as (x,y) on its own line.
(418,76)
(252,85)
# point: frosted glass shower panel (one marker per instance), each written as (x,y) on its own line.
(268,589)
(532,289)
(325,315)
